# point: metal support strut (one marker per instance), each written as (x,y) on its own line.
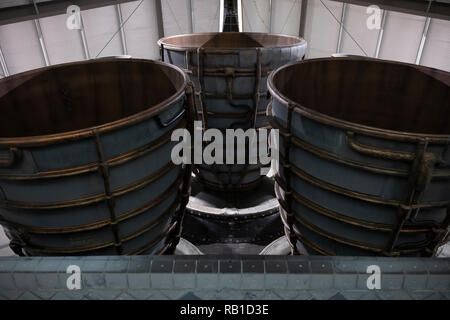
(104,171)
(187,174)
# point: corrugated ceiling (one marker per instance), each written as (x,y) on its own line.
(401,39)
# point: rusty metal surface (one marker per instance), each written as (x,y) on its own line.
(365,160)
(85,157)
(229,72)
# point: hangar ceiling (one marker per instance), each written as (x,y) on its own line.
(33,35)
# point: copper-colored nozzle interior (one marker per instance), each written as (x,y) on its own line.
(82,95)
(374,93)
(230,40)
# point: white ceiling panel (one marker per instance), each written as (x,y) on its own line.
(141,30)
(286,16)
(436,53)
(401,40)
(63,45)
(206,15)
(100,24)
(176,17)
(321,29)
(256,15)
(355,23)
(20,46)
(402,36)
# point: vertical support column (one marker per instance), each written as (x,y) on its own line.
(239,9)
(189,69)
(3,64)
(423,41)
(191,13)
(161,52)
(122,31)
(221,14)
(270,16)
(87,55)
(341,28)
(380,34)
(37,24)
(303,12)
(41,41)
(159,18)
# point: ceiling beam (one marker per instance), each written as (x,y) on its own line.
(439,9)
(87,54)
(303,14)
(341,27)
(40,36)
(381,34)
(191,14)
(221,14)
(270,15)
(37,24)
(159,18)
(423,40)
(12,11)
(240,17)
(3,64)
(123,38)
